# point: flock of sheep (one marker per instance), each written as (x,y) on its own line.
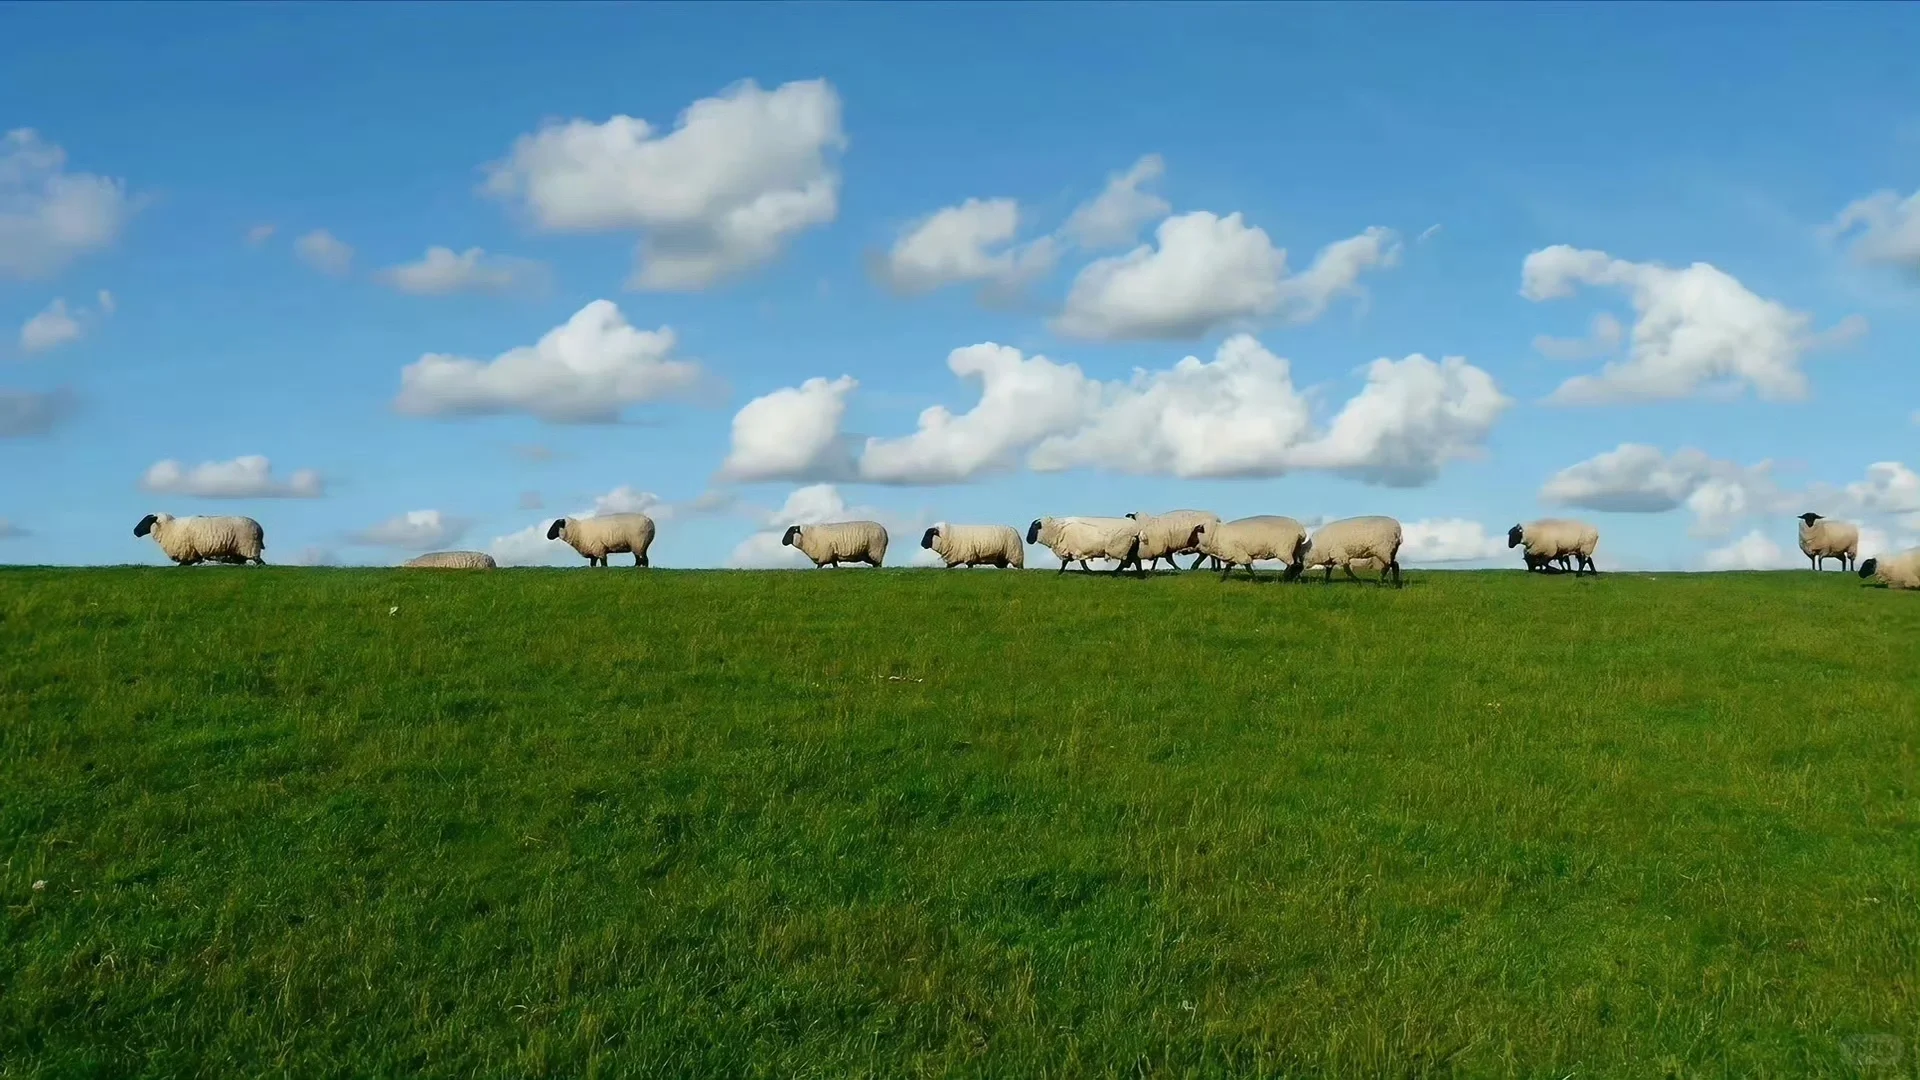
(1138,540)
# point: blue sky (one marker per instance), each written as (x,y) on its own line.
(1729,191)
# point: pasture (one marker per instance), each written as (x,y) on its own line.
(968,823)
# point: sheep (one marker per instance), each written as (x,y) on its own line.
(1162,536)
(609,534)
(1551,540)
(1900,571)
(190,540)
(1350,540)
(1081,538)
(453,560)
(840,541)
(1824,538)
(975,545)
(1245,540)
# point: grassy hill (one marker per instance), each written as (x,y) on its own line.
(358,822)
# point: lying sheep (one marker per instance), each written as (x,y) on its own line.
(1351,540)
(1077,539)
(190,540)
(1824,538)
(609,534)
(1901,571)
(840,541)
(976,545)
(453,560)
(1162,536)
(1551,540)
(1244,541)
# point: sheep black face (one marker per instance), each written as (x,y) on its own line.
(1809,518)
(926,538)
(1513,537)
(1033,532)
(146,525)
(793,533)
(1135,517)
(1867,568)
(553,530)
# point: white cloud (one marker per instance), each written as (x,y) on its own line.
(1113,218)
(260,234)
(1754,551)
(441,272)
(792,434)
(1604,337)
(1022,400)
(1885,229)
(971,242)
(26,412)
(1238,415)
(246,477)
(1209,272)
(1890,488)
(48,216)
(52,327)
(1699,330)
(587,370)
(739,176)
(415,530)
(324,252)
(314,555)
(1428,233)
(107,302)
(1446,540)
(10,531)
(627,499)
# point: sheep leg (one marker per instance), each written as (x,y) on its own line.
(1395,565)
(1293,571)
(1328,580)
(1063,567)
(639,559)
(1224,573)
(1085,567)
(1348,567)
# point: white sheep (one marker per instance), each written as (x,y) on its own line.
(190,540)
(1244,541)
(453,560)
(1350,540)
(1899,571)
(1824,538)
(976,545)
(608,534)
(1077,539)
(1551,540)
(1162,536)
(841,541)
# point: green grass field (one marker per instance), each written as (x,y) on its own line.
(971,823)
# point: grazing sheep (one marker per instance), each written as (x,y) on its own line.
(1162,536)
(1824,538)
(1900,571)
(1077,539)
(190,540)
(976,545)
(1244,541)
(1351,540)
(453,560)
(1559,540)
(609,534)
(840,541)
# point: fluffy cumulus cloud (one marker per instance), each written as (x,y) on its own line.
(1449,540)
(1237,415)
(1754,551)
(739,176)
(1206,272)
(28,412)
(246,477)
(1882,229)
(1721,495)
(48,215)
(1114,217)
(325,252)
(58,325)
(792,434)
(1603,338)
(587,370)
(970,242)
(443,271)
(415,530)
(1698,330)
(260,234)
